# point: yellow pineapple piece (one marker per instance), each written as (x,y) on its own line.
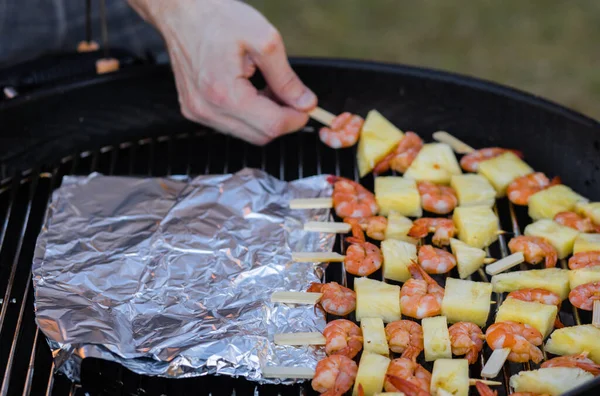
(397,256)
(435,162)
(398,194)
(371,373)
(561,237)
(436,338)
(589,209)
(553,279)
(586,243)
(467,301)
(584,275)
(541,316)
(375,299)
(473,190)
(468,258)
(574,340)
(451,375)
(477,225)
(398,227)
(502,170)
(374,339)
(378,138)
(547,203)
(552,381)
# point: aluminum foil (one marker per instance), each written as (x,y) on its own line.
(173,277)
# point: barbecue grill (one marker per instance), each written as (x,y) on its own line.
(128,123)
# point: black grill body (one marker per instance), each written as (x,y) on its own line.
(129,124)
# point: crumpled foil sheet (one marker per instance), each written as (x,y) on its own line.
(173,277)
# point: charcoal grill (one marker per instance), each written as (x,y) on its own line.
(129,124)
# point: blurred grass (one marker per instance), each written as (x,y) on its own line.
(547,47)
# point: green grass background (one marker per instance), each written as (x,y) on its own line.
(547,47)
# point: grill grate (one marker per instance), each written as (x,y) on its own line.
(25,361)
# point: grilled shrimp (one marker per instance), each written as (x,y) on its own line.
(581,361)
(583,296)
(337,299)
(542,296)
(485,390)
(470,162)
(343,132)
(535,249)
(443,229)
(466,338)
(520,189)
(405,386)
(584,259)
(402,156)
(522,339)
(350,199)
(342,337)
(362,257)
(334,375)
(436,261)
(421,297)
(406,337)
(411,371)
(437,199)
(573,220)
(374,226)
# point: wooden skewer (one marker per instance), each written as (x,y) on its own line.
(495,363)
(457,145)
(505,263)
(311,203)
(311,338)
(320,257)
(321,115)
(473,381)
(327,227)
(304,298)
(596,314)
(489,260)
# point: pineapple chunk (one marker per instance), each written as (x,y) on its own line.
(371,373)
(435,162)
(552,380)
(477,225)
(398,227)
(374,339)
(397,256)
(378,138)
(468,258)
(502,170)
(547,203)
(574,340)
(467,301)
(394,193)
(554,279)
(561,237)
(375,299)
(591,210)
(451,375)
(541,316)
(436,338)
(584,275)
(473,190)
(586,243)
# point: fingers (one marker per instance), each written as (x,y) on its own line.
(270,57)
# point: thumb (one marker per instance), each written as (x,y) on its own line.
(272,61)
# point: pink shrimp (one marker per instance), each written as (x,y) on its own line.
(343,132)
(443,229)
(350,199)
(421,296)
(337,299)
(581,361)
(522,339)
(374,226)
(542,296)
(342,337)
(411,371)
(405,386)
(334,375)
(583,296)
(577,222)
(436,261)
(535,249)
(520,189)
(466,338)
(485,390)
(470,162)
(584,259)
(362,258)
(402,156)
(437,199)
(406,337)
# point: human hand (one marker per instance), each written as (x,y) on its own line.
(215,46)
